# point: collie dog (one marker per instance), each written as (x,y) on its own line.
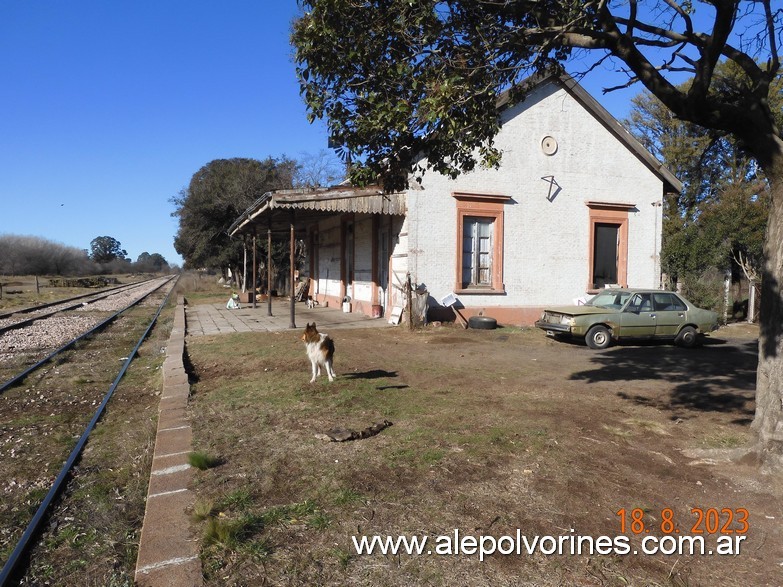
(320,351)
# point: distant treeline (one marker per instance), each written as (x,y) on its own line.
(32,255)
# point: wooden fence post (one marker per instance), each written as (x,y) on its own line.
(409,293)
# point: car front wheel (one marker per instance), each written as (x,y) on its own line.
(598,337)
(687,338)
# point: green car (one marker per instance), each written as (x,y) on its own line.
(619,314)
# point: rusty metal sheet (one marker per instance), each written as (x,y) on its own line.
(336,200)
(375,203)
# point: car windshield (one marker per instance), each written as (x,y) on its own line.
(609,299)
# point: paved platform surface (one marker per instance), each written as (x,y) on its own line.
(216,319)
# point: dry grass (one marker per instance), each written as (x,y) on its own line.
(200,288)
(492,432)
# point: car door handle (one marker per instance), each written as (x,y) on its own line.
(653,316)
(681,315)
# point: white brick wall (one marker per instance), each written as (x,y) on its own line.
(363,237)
(329,258)
(546,243)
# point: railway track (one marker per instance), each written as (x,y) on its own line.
(54,376)
(26,342)
(21,317)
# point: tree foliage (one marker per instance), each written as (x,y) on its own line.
(105,249)
(32,255)
(728,235)
(151,263)
(719,218)
(397,80)
(216,196)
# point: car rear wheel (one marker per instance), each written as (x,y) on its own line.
(598,337)
(687,338)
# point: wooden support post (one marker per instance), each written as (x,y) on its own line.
(244,265)
(253,285)
(409,292)
(269,267)
(292,257)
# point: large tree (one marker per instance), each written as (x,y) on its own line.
(105,249)
(152,263)
(215,197)
(399,79)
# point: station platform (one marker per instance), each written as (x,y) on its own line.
(208,319)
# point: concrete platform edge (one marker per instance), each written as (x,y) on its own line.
(168,552)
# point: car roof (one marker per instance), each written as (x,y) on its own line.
(635,290)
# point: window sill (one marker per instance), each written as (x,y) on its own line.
(480,291)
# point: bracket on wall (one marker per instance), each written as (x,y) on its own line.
(552,183)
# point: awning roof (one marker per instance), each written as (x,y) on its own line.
(311,205)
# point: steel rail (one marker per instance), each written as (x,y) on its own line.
(33,526)
(98,296)
(19,376)
(29,309)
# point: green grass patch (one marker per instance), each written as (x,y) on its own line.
(240,500)
(227,533)
(203,461)
(345,496)
(203,510)
(415,457)
(725,440)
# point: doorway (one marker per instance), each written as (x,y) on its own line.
(605,253)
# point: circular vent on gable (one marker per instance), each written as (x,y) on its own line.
(549,145)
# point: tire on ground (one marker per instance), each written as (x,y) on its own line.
(482,323)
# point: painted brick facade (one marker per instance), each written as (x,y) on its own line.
(567,167)
(546,225)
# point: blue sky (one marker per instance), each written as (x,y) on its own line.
(107,108)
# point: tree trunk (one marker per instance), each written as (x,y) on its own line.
(768,421)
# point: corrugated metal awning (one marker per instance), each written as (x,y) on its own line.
(317,203)
(374,202)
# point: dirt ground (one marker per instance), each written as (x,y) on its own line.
(493,432)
